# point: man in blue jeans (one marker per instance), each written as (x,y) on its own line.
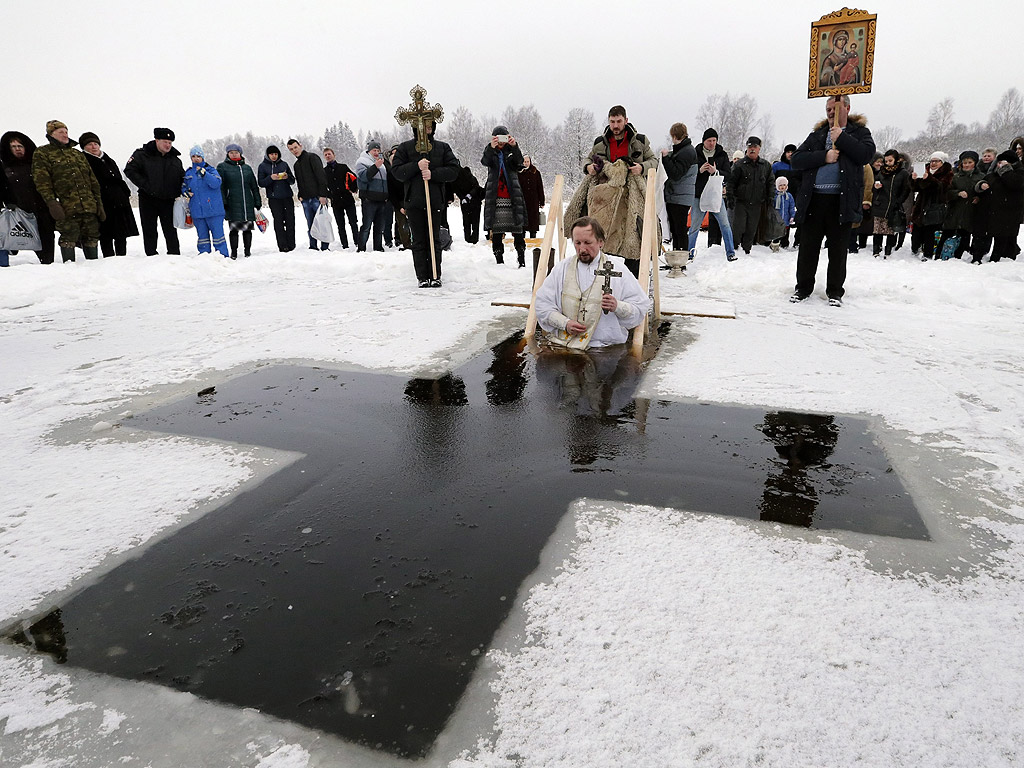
(711,161)
(312,186)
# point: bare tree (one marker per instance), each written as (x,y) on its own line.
(1007,119)
(887,138)
(465,134)
(940,119)
(574,141)
(733,117)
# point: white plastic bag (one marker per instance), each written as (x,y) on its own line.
(19,231)
(322,228)
(711,197)
(180,215)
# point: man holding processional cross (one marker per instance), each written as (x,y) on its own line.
(424,167)
(589,300)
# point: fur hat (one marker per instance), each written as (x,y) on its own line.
(372,144)
(969,154)
(499,130)
(938,155)
(789,148)
(233,148)
(53,125)
(710,133)
(197,151)
(781,180)
(1009,156)
(163,133)
(87,137)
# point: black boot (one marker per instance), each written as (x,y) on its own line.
(90,252)
(521,259)
(499,257)
(67,254)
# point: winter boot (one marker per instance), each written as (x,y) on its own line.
(67,254)
(499,257)
(90,252)
(522,259)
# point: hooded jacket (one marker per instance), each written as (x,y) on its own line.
(21,189)
(371,180)
(157,176)
(681,168)
(856,149)
(512,157)
(202,187)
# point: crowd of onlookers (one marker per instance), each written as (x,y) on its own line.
(971,206)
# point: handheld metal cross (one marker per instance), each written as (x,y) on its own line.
(417,114)
(608,274)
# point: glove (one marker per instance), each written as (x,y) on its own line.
(56,210)
(100,213)
(202,171)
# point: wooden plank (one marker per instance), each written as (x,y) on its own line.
(554,220)
(648,234)
(724,312)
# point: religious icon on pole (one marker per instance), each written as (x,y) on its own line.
(842,53)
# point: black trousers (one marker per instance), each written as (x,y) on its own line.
(923,238)
(346,204)
(471,222)
(822,221)
(677,223)
(1004,247)
(421,241)
(498,245)
(283,211)
(113,246)
(152,210)
(748,216)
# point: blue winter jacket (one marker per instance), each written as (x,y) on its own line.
(203,192)
(786,206)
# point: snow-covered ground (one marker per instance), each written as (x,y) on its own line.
(655,636)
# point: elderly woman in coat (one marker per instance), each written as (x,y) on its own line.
(120,222)
(532,185)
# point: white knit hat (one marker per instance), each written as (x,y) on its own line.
(937,155)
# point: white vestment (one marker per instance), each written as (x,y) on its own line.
(572,285)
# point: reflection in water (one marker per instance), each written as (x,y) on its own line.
(447,390)
(507,380)
(802,441)
(599,382)
(46,635)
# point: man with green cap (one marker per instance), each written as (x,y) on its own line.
(70,190)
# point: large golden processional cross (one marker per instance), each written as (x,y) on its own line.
(417,114)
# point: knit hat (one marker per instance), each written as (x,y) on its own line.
(753,141)
(710,133)
(233,148)
(163,133)
(969,154)
(789,148)
(87,137)
(737,154)
(273,150)
(53,125)
(938,155)
(372,144)
(1009,156)
(197,151)
(499,130)
(780,181)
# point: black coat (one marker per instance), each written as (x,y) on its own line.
(856,149)
(513,158)
(720,160)
(116,197)
(752,181)
(931,192)
(893,193)
(337,180)
(532,184)
(157,176)
(961,210)
(1003,200)
(309,172)
(277,189)
(444,169)
(21,189)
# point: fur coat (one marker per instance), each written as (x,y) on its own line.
(614,197)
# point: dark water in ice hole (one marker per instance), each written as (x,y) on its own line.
(355,590)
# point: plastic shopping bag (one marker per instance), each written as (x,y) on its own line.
(19,231)
(180,215)
(261,221)
(711,197)
(322,228)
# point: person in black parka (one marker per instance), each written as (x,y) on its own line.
(277,178)
(120,222)
(16,151)
(504,204)
(471,199)
(1003,190)
(156,169)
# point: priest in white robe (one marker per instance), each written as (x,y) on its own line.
(570,304)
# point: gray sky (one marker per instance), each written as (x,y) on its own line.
(207,69)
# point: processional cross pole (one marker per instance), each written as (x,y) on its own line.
(607,273)
(417,115)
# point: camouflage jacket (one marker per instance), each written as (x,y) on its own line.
(62,173)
